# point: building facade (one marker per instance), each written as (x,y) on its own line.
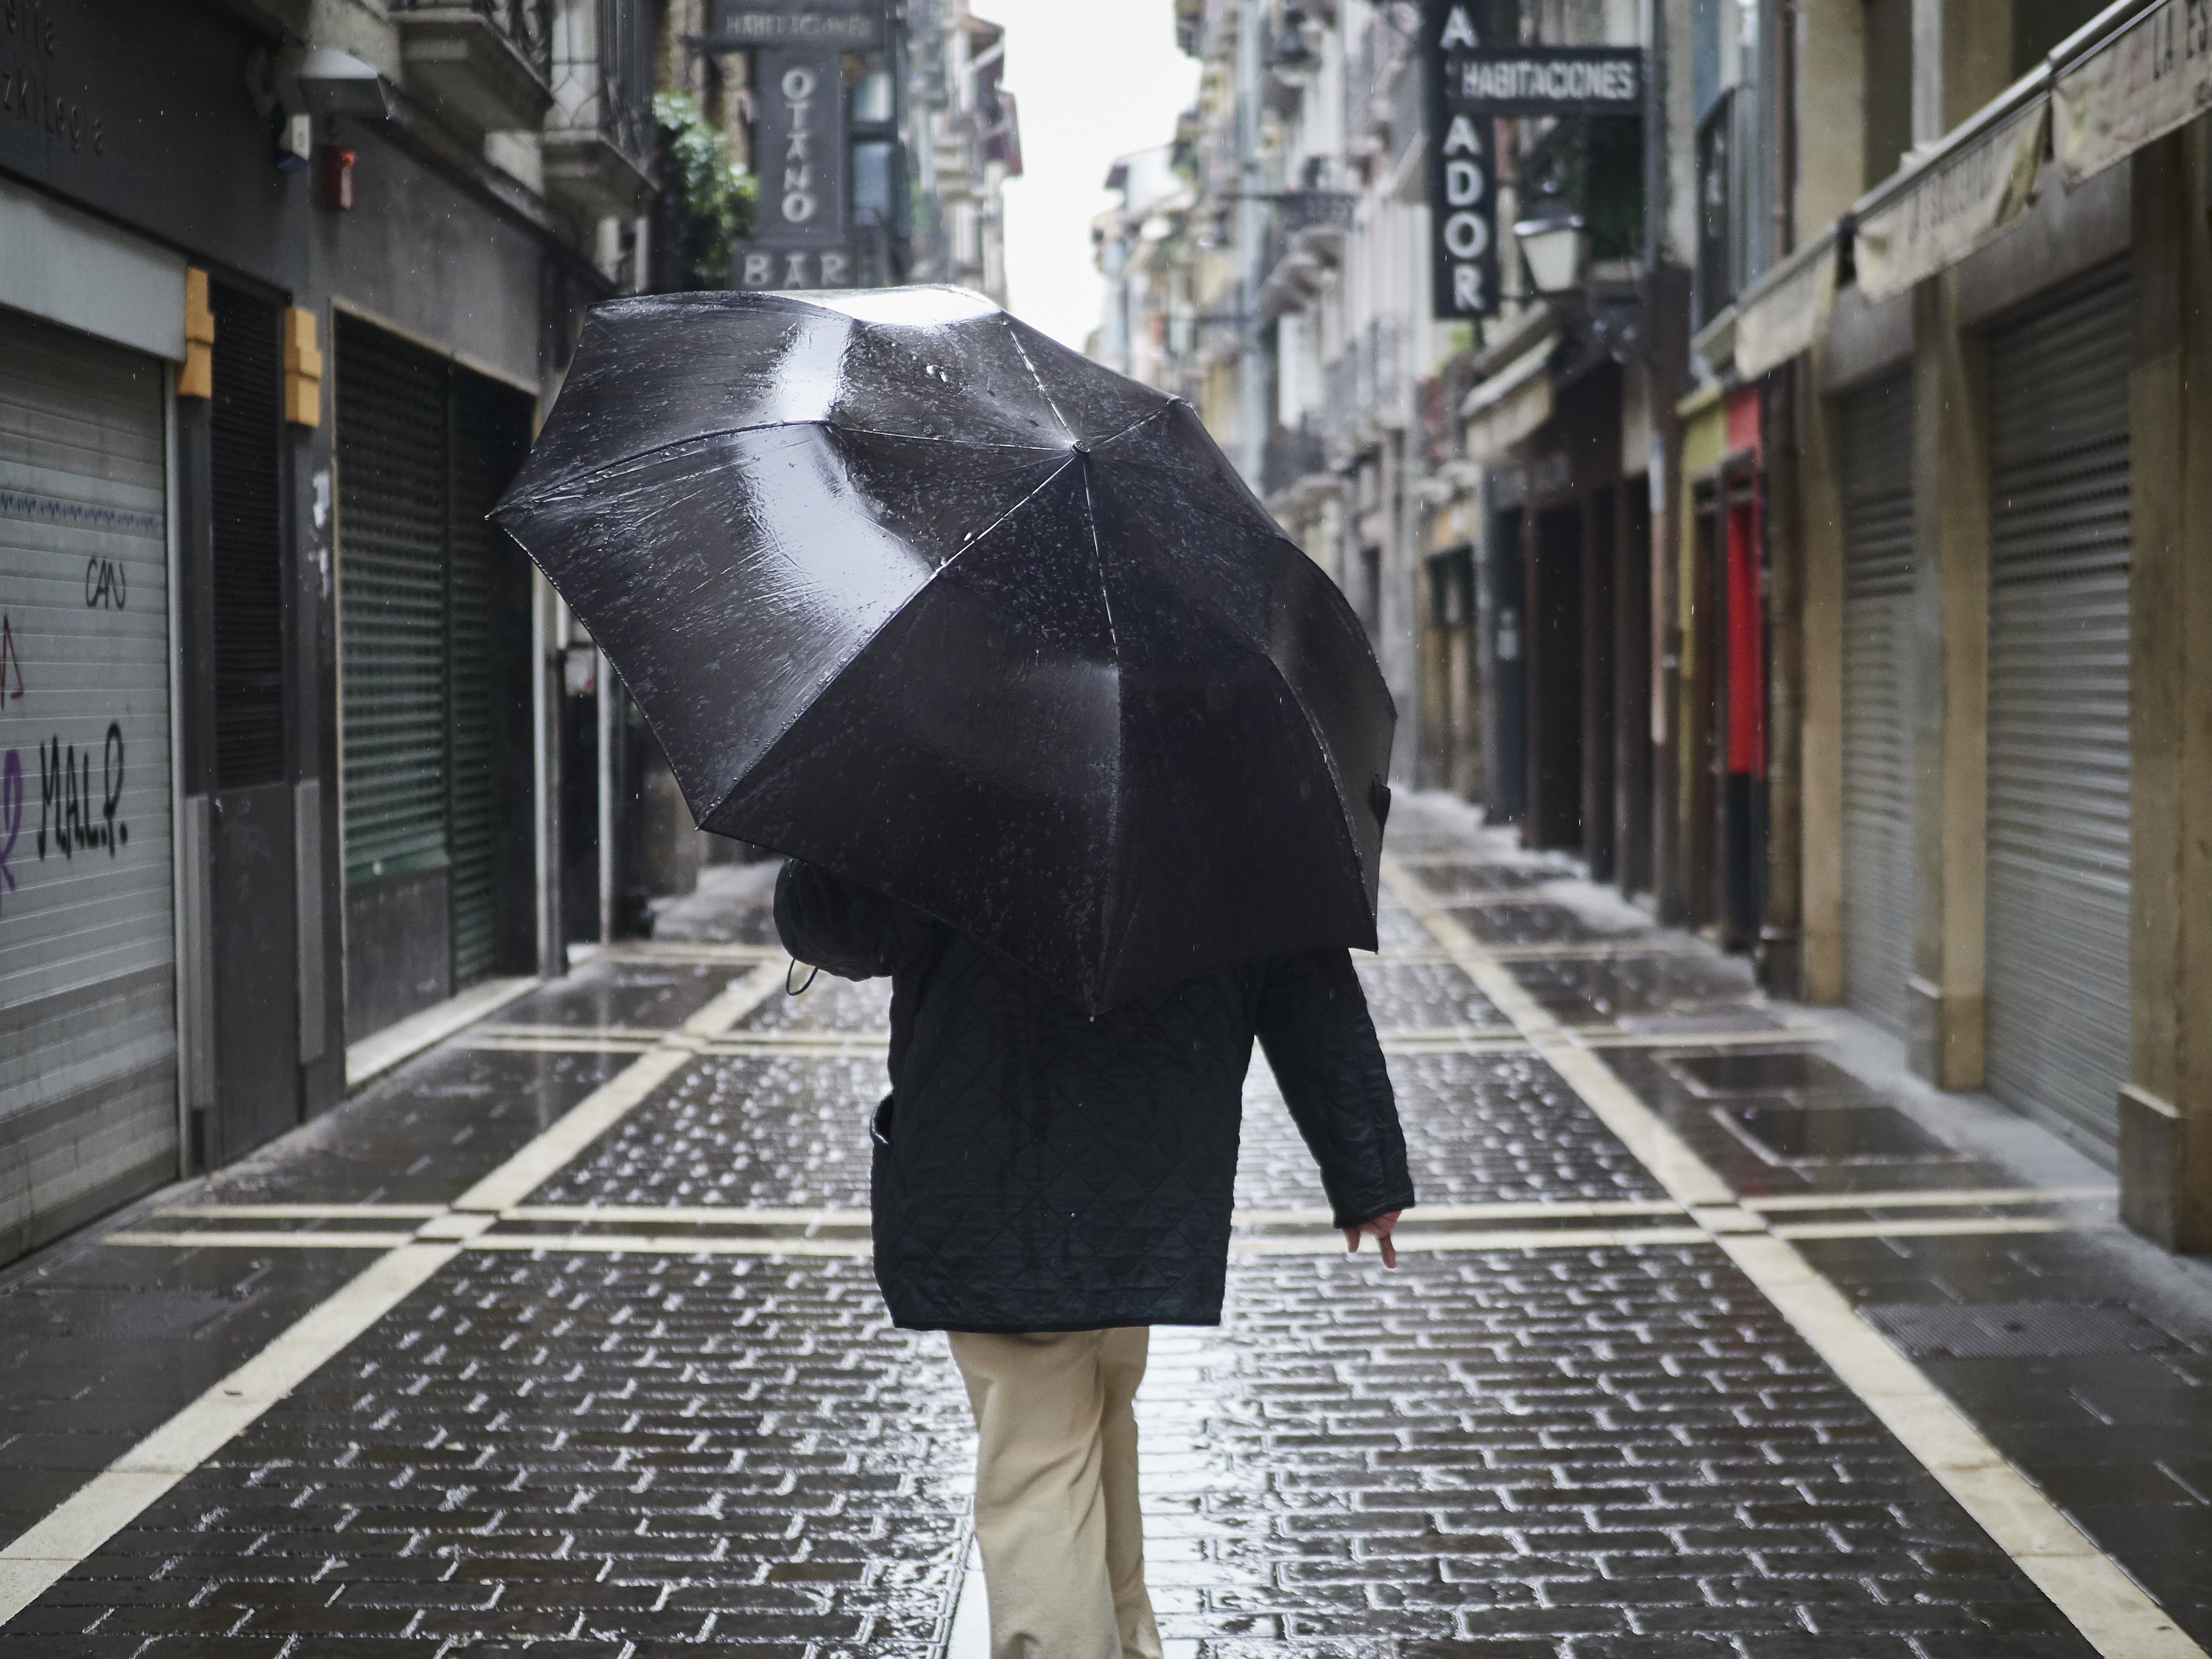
(1814,553)
(275,765)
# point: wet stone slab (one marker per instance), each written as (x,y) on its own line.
(2115,1432)
(1585,1453)
(1419,996)
(1479,1128)
(826,1004)
(1540,921)
(1613,989)
(654,1454)
(740,1129)
(649,995)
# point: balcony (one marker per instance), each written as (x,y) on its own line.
(479,66)
(1293,456)
(1305,241)
(597,142)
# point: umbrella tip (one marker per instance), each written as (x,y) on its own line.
(1083,446)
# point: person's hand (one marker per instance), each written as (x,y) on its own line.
(1379,1230)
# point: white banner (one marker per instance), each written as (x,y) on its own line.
(1959,203)
(1783,314)
(2154,77)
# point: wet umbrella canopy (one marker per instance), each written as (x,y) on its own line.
(910,591)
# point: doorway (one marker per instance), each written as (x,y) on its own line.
(1555,682)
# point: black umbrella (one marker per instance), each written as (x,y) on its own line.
(911,591)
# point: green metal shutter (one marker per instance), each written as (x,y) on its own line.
(1876,435)
(490,434)
(2058,1011)
(392,466)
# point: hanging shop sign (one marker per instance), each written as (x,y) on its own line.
(1462,175)
(1957,202)
(800,238)
(2153,76)
(1469,85)
(747,25)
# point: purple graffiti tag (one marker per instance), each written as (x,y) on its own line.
(11,811)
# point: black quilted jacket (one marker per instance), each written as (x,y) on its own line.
(1039,1170)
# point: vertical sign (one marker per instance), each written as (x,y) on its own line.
(802,231)
(1462,170)
(798,228)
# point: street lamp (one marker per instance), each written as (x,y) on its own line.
(1554,251)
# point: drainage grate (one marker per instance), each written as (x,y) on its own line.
(112,1313)
(1759,1073)
(1793,1134)
(2015,1330)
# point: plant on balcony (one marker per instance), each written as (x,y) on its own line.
(708,202)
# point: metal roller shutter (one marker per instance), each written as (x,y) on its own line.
(2058,918)
(87,1028)
(1876,438)
(425,449)
(391,516)
(487,425)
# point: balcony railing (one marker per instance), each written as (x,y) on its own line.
(603,74)
(525,24)
(1291,454)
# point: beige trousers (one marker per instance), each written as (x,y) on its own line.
(1056,1491)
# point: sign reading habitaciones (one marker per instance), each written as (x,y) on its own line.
(1469,85)
(801,237)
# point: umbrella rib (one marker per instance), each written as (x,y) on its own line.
(1113,643)
(1014,335)
(539,496)
(977,539)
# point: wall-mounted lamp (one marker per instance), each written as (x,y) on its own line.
(1554,252)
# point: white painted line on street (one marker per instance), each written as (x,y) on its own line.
(244,1238)
(1499,1238)
(1776,1037)
(120,1493)
(1931,1227)
(2114,1613)
(305,1211)
(32,1562)
(374,1055)
(703,1215)
(2117,1616)
(570,1045)
(1926,1198)
(614,1100)
(1510,1210)
(672,1244)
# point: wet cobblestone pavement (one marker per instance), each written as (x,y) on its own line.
(561,1339)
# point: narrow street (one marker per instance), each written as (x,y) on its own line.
(561,1339)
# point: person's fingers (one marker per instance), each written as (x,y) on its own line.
(1351,1241)
(1390,1251)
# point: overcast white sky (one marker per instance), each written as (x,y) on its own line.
(1094,78)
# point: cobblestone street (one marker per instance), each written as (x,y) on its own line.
(1712,1336)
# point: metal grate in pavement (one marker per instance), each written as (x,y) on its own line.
(1792,1134)
(1759,1073)
(2015,1330)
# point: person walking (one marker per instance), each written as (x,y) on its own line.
(1049,1184)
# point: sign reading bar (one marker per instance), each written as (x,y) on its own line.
(849,25)
(1463,176)
(2154,76)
